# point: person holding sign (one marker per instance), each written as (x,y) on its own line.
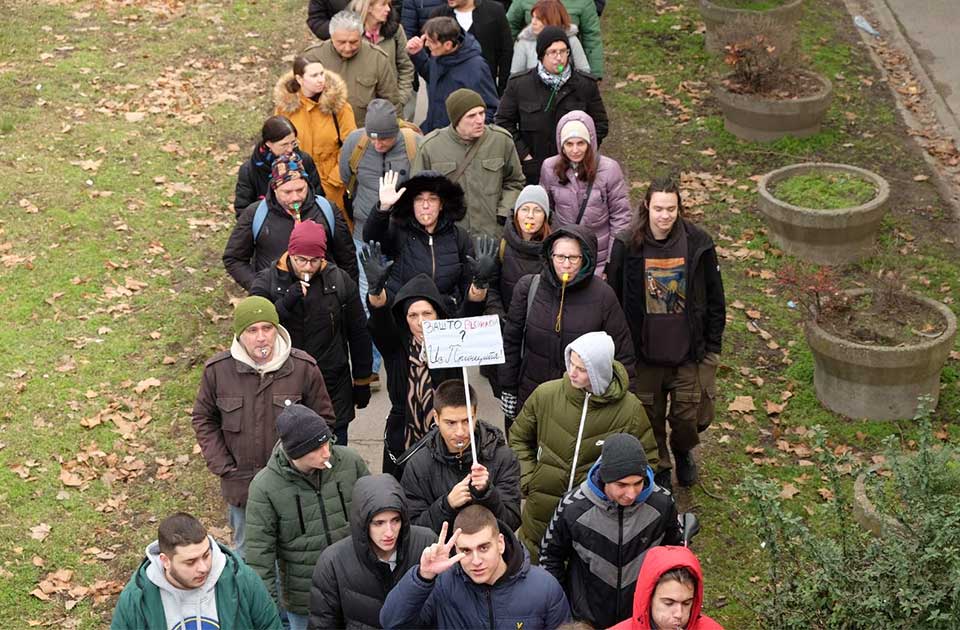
(440,477)
(480,578)
(567,301)
(416,227)
(397,331)
(560,431)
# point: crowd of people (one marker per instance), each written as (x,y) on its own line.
(354,227)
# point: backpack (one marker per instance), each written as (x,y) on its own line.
(531,294)
(260,216)
(409,131)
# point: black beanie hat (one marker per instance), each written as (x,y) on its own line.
(549,35)
(301,430)
(622,456)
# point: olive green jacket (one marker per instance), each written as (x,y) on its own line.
(292,517)
(491,182)
(544,437)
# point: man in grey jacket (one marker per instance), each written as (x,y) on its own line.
(491,178)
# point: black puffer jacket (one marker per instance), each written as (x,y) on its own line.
(388,327)
(594,547)
(253,180)
(589,305)
(520,258)
(349,583)
(706,309)
(243,258)
(334,332)
(433,471)
(441,255)
(524,113)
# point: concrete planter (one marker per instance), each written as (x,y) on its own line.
(715,16)
(879,382)
(865,512)
(759,119)
(826,237)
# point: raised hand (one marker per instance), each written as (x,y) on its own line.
(479,477)
(436,558)
(484,266)
(459,495)
(388,190)
(377,272)
(414,45)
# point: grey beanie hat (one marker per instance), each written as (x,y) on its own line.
(301,430)
(533,194)
(381,120)
(622,456)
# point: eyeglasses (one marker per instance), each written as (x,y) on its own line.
(560,258)
(531,210)
(426,199)
(289,145)
(303,261)
(559,54)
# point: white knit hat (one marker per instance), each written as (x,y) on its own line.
(574,129)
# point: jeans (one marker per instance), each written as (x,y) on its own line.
(341,434)
(377,359)
(237,517)
(297,622)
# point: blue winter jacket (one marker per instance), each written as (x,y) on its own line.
(463,68)
(524,597)
(414,13)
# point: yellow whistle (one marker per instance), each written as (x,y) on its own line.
(566,276)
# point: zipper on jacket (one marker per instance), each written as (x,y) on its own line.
(619,559)
(489,592)
(433,257)
(303,524)
(323,510)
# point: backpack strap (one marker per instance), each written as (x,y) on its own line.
(531,295)
(503,249)
(327,210)
(409,142)
(259,217)
(355,158)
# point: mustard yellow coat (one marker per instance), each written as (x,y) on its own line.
(316,131)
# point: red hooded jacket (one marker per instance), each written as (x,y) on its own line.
(658,561)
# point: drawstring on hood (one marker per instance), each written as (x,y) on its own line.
(576,450)
(180,605)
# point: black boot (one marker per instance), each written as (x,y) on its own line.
(686,468)
(664,479)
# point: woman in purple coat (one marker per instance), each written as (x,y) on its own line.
(584,187)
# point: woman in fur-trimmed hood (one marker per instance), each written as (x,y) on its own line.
(315,100)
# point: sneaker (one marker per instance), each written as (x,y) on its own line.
(375,383)
(686,468)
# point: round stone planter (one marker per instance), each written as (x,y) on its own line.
(759,119)
(879,382)
(825,237)
(715,16)
(865,512)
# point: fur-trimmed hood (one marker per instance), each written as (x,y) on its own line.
(331,101)
(451,195)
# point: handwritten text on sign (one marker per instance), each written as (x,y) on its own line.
(466,341)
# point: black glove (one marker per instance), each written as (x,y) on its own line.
(293,295)
(484,266)
(377,272)
(361,396)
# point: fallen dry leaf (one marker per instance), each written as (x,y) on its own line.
(742,404)
(789,491)
(146,384)
(40,532)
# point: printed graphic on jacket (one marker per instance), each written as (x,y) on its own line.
(666,284)
(197,623)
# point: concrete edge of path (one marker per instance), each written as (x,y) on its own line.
(883,19)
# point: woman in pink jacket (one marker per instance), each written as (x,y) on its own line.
(585,187)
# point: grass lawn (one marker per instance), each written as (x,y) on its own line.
(123,126)
(664,119)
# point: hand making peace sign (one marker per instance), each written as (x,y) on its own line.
(436,559)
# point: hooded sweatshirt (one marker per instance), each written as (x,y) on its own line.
(281,352)
(594,546)
(606,211)
(196,607)
(658,561)
(350,582)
